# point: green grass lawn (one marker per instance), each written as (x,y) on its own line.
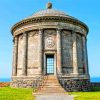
(8,93)
(93,95)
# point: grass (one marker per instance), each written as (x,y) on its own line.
(93,95)
(8,93)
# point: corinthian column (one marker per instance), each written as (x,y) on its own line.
(15,56)
(59,62)
(24,56)
(85,58)
(75,63)
(40,51)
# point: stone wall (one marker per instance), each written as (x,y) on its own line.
(25,82)
(33,53)
(4,84)
(75,84)
(66,43)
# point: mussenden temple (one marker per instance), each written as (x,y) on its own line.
(50,52)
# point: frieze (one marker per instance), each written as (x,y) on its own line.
(49,33)
(31,34)
(48,18)
(36,26)
(68,33)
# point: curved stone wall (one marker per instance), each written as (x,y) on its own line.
(72,85)
(67,53)
(66,41)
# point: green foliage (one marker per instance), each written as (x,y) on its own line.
(96,88)
(93,95)
(8,93)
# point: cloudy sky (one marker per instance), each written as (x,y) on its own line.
(12,11)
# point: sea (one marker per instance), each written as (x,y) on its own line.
(92,79)
(5,79)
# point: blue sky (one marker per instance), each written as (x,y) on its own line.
(12,11)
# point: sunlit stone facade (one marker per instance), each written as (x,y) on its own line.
(50,34)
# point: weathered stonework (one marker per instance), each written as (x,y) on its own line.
(76,84)
(50,39)
(25,82)
(67,52)
(33,53)
(55,35)
(79,53)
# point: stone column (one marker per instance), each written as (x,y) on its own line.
(40,51)
(75,62)
(15,56)
(59,60)
(24,56)
(85,61)
(87,57)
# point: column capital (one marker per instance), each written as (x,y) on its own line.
(59,29)
(15,39)
(73,32)
(40,31)
(25,33)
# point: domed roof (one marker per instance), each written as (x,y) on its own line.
(50,12)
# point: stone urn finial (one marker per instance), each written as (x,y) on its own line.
(49,5)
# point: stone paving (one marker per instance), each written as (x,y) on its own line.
(54,97)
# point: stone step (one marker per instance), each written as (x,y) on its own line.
(51,85)
(56,91)
(55,80)
(52,78)
(48,85)
(51,81)
(51,90)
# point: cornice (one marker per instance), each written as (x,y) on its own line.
(49,19)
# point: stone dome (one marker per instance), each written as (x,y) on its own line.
(49,15)
(50,12)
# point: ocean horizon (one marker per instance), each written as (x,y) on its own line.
(5,79)
(92,79)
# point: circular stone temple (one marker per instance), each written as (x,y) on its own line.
(50,42)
